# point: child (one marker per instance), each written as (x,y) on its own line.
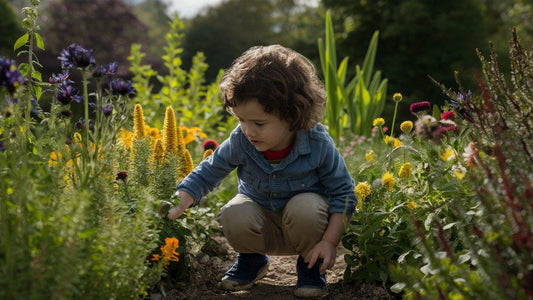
(294,186)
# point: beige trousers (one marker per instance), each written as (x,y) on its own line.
(250,228)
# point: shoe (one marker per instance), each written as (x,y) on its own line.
(249,268)
(311,283)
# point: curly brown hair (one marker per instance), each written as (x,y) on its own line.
(283,81)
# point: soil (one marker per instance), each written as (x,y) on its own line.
(217,257)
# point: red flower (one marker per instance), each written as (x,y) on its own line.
(449,115)
(209,144)
(417,107)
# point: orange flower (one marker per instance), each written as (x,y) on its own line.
(169,250)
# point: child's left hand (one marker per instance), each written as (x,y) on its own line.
(325,250)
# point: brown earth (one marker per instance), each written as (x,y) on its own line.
(216,257)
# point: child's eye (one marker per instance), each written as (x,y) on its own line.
(259,124)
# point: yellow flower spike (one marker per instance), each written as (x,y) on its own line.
(406,127)
(388,181)
(159,152)
(207,153)
(378,122)
(397,143)
(187,162)
(170,142)
(405,171)
(126,137)
(397,97)
(370,156)
(77,137)
(138,122)
(412,205)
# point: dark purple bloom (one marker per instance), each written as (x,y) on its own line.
(105,70)
(10,77)
(418,107)
(76,56)
(122,175)
(2,147)
(60,78)
(119,86)
(67,93)
(67,113)
(107,110)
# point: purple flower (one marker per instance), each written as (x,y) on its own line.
(60,78)
(76,56)
(119,86)
(67,93)
(107,110)
(105,70)
(10,77)
(418,107)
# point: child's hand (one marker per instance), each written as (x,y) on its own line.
(186,200)
(324,250)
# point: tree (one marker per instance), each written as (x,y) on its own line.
(10,29)
(224,31)
(153,14)
(108,27)
(417,38)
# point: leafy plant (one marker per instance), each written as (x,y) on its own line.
(350,105)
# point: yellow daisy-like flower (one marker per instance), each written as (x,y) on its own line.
(459,171)
(397,143)
(397,97)
(448,154)
(406,127)
(387,180)
(405,171)
(378,122)
(387,139)
(77,137)
(412,205)
(362,190)
(370,156)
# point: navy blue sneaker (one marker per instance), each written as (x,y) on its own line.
(311,283)
(249,268)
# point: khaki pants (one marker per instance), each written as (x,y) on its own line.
(250,228)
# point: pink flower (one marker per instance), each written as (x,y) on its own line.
(418,107)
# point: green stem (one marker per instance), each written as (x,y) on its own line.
(394,119)
(30,82)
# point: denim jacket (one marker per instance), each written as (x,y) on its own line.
(313,165)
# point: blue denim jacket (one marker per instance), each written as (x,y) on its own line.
(313,165)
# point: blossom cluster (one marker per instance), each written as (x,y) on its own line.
(10,77)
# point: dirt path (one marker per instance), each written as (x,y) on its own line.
(210,265)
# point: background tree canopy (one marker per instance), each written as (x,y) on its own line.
(417,37)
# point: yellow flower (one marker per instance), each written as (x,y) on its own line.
(387,139)
(187,162)
(397,97)
(459,171)
(397,143)
(170,132)
(362,190)
(138,122)
(168,250)
(388,180)
(126,137)
(447,154)
(159,152)
(378,122)
(54,157)
(412,205)
(77,137)
(405,171)
(207,153)
(370,156)
(406,127)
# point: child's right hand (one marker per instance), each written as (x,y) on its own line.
(186,200)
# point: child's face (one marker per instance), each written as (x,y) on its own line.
(265,131)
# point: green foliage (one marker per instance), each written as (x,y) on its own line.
(197,103)
(9,28)
(491,257)
(350,106)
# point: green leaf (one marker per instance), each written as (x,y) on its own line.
(39,41)
(21,41)
(398,287)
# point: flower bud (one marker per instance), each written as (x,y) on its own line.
(397,97)
(35,2)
